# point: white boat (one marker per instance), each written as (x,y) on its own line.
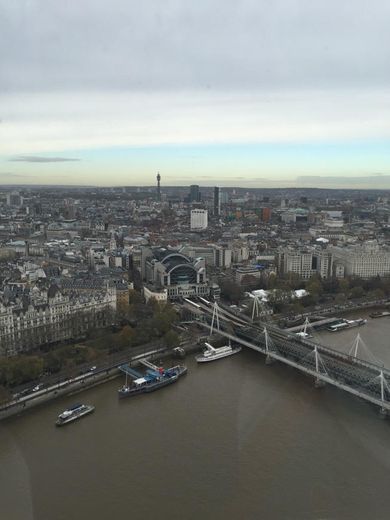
(211,353)
(75,412)
(303,335)
(347,324)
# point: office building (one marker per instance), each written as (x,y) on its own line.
(14,199)
(199,219)
(195,195)
(217,202)
(305,263)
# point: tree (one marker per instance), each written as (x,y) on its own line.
(294,281)
(357,292)
(297,307)
(343,286)
(125,337)
(171,339)
(330,285)
(163,319)
(231,291)
(271,282)
(135,297)
(314,286)
(18,370)
(340,299)
(310,300)
(5,394)
(53,363)
(377,294)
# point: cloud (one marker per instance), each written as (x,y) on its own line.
(97,75)
(56,122)
(378,181)
(125,44)
(35,159)
(8,175)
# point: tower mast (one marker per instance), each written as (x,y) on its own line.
(158,187)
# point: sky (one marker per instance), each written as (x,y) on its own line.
(257,93)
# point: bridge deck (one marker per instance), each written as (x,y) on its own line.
(314,324)
(130,371)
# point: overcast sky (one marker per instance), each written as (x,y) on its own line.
(247,92)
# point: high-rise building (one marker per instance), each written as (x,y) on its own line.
(158,187)
(14,199)
(266,214)
(224,197)
(217,202)
(69,210)
(195,193)
(199,219)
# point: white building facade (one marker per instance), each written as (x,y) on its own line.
(365,261)
(199,219)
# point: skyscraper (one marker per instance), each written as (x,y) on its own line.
(158,187)
(194,193)
(217,202)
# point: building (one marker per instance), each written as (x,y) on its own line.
(222,257)
(364,260)
(305,263)
(224,197)
(199,219)
(180,275)
(242,274)
(240,253)
(195,195)
(217,202)
(161,296)
(196,251)
(14,199)
(31,319)
(266,214)
(213,254)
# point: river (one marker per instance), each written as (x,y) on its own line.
(234,439)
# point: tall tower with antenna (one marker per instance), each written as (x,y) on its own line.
(158,187)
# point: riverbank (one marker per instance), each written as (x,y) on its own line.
(84,382)
(68,387)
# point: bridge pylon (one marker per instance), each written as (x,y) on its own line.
(384,386)
(258,308)
(215,318)
(269,360)
(318,383)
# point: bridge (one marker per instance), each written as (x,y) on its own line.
(367,380)
(317,324)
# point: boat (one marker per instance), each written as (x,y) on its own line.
(347,324)
(152,380)
(75,412)
(380,314)
(303,335)
(211,353)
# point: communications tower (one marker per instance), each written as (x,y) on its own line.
(158,187)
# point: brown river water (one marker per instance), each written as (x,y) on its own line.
(234,439)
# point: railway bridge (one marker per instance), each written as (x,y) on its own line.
(348,372)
